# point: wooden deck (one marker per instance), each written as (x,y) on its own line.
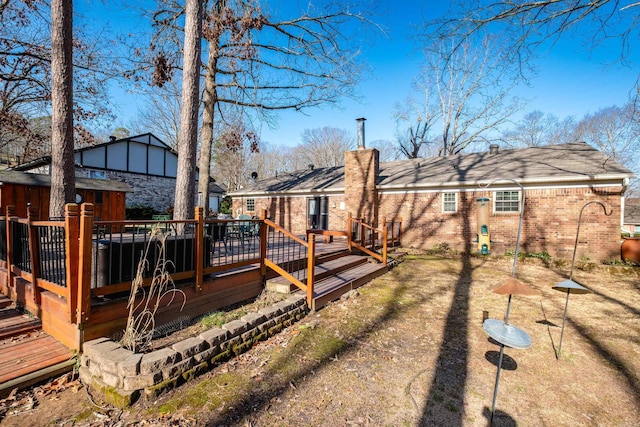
(27,354)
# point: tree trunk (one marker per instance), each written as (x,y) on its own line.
(188,138)
(206,133)
(62,160)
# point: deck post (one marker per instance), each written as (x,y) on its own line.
(83,283)
(72,261)
(349,231)
(11,212)
(384,240)
(199,242)
(310,268)
(263,243)
(34,253)
(399,230)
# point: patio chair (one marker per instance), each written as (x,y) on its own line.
(240,231)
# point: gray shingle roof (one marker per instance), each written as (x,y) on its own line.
(632,211)
(550,164)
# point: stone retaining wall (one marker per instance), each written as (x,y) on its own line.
(121,375)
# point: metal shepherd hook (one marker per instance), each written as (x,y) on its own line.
(569,285)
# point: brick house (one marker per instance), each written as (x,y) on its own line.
(143,162)
(631,222)
(436,198)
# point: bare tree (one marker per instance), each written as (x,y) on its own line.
(264,63)
(414,122)
(188,137)
(387,149)
(537,129)
(161,113)
(325,147)
(231,151)
(614,131)
(62,161)
(527,25)
(471,87)
(26,71)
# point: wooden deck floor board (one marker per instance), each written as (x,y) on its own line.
(13,323)
(28,352)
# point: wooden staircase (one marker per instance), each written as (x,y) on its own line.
(334,275)
(27,354)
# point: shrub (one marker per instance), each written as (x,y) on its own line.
(226,206)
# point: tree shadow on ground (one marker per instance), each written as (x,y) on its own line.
(445,399)
(290,368)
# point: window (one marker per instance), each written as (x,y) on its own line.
(250,205)
(99,198)
(97,174)
(449,202)
(507,201)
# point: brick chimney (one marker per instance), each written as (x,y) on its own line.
(361,170)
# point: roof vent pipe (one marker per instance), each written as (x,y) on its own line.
(361,133)
(311,166)
(494,148)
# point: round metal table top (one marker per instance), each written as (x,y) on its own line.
(506,334)
(571,286)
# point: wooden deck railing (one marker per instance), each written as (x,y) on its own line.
(37,252)
(291,257)
(88,262)
(371,240)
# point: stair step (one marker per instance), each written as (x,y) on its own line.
(333,287)
(14,323)
(333,266)
(4,301)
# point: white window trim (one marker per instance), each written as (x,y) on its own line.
(495,201)
(246,204)
(455,201)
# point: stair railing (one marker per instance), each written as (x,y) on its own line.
(290,256)
(364,237)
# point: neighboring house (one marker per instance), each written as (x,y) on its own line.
(631,222)
(436,198)
(144,162)
(20,189)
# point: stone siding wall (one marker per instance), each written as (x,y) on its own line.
(155,191)
(122,376)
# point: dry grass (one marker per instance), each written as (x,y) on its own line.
(410,350)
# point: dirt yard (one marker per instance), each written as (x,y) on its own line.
(409,350)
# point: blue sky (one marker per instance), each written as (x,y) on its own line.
(572,80)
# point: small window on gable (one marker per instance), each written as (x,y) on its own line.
(250,205)
(450,202)
(507,201)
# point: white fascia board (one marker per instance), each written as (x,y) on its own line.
(293,193)
(530,184)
